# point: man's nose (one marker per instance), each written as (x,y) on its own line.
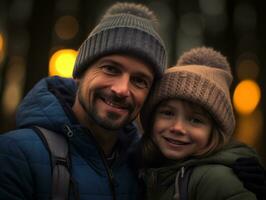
(121,86)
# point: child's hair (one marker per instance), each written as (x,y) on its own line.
(203,77)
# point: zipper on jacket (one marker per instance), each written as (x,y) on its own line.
(106,166)
(109,173)
(68,130)
(182,172)
(179,183)
(182,183)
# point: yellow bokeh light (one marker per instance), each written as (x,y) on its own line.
(2,47)
(62,63)
(246,96)
(1,41)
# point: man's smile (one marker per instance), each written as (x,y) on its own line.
(109,102)
(114,106)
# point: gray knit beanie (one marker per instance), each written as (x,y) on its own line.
(126,28)
(201,76)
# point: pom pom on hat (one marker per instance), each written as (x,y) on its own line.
(133,9)
(204,56)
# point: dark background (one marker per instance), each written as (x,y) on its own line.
(234,27)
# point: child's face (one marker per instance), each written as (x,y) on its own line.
(181,129)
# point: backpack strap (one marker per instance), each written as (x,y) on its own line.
(57,146)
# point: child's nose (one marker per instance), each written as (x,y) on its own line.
(178,126)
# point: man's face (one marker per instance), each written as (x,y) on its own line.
(113,90)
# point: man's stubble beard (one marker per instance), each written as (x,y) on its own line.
(93,116)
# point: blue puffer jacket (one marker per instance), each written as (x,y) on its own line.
(25,171)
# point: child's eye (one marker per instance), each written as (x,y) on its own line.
(195,120)
(167,113)
(109,69)
(198,120)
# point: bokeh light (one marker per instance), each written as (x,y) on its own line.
(2,47)
(192,24)
(247,68)
(250,128)
(1,41)
(190,32)
(62,63)
(246,96)
(212,7)
(15,79)
(245,17)
(66,27)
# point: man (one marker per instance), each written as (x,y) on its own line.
(116,67)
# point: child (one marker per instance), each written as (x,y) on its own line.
(188,123)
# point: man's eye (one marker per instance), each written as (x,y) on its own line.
(109,69)
(140,82)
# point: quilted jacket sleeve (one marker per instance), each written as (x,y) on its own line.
(16,180)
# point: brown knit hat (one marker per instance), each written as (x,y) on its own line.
(201,76)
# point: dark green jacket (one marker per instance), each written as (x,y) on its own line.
(211,178)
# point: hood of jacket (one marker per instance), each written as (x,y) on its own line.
(46,104)
(165,175)
(226,156)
